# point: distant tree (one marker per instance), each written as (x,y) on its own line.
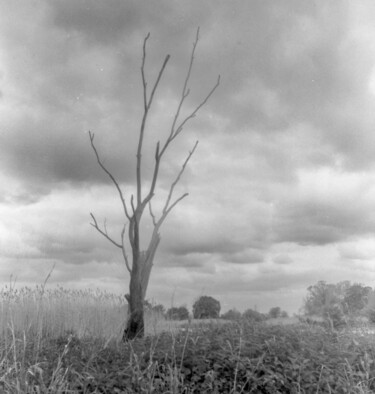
(232,314)
(356,298)
(320,296)
(252,315)
(274,312)
(140,262)
(177,313)
(206,307)
(334,316)
(284,314)
(324,297)
(157,308)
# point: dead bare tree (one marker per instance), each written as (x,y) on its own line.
(141,261)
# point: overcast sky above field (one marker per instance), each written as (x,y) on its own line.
(281,187)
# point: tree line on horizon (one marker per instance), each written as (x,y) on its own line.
(335,303)
(207,307)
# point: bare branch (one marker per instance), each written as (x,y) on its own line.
(174,132)
(152,214)
(192,115)
(157,81)
(131,232)
(143,72)
(154,176)
(132,204)
(104,233)
(166,212)
(123,249)
(166,206)
(185,91)
(109,174)
(175,203)
(147,104)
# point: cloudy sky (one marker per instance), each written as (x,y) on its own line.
(281,187)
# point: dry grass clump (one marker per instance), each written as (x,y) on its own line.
(52,313)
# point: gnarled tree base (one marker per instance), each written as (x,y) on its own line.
(135,327)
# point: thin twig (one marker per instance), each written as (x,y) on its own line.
(178,178)
(152,214)
(92,135)
(143,72)
(176,131)
(185,91)
(192,115)
(95,225)
(147,104)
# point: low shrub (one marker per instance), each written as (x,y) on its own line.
(232,314)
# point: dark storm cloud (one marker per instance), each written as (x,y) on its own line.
(280,65)
(204,246)
(99,23)
(49,154)
(314,222)
(103,25)
(77,249)
(247,256)
(83,85)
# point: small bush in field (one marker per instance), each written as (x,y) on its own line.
(232,314)
(206,307)
(284,314)
(177,313)
(274,312)
(252,315)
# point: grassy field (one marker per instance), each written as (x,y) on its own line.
(60,341)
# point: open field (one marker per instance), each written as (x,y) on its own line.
(60,341)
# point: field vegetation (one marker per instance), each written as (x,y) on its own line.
(65,341)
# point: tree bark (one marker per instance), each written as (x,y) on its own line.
(135,326)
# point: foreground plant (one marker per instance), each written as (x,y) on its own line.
(211,358)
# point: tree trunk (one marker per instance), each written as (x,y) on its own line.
(138,287)
(135,326)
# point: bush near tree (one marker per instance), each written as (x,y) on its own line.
(276,312)
(252,315)
(206,307)
(156,308)
(177,313)
(232,314)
